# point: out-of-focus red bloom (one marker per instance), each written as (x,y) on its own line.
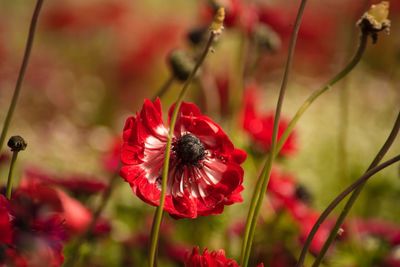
(213,259)
(222,82)
(260,126)
(111,159)
(77,217)
(37,232)
(317,27)
(5,221)
(136,61)
(374,227)
(393,259)
(73,18)
(283,190)
(76,184)
(205,172)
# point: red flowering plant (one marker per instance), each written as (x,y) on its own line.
(45,189)
(31,235)
(259,126)
(289,195)
(209,259)
(185,165)
(205,172)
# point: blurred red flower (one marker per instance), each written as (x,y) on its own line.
(31,235)
(260,127)
(77,184)
(77,217)
(285,195)
(111,159)
(5,221)
(73,18)
(213,259)
(205,172)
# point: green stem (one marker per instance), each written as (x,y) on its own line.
(258,195)
(74,253)
(339,199)
(10,174)
(164,88)
(349,67)
(22,71)
(349,204)
(343,131)
(159,211)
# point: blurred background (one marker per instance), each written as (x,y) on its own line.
(93,62)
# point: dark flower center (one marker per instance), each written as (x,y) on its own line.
(189,149)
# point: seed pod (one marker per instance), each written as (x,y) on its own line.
(16,143)
(181,64)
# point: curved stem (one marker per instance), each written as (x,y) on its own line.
(349,67)
(21,75)
(164,88)
(10,174)
(159,211)
(74,253)
(356,193)
(258,195)
(341,196)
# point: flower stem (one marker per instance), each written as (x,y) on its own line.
(164,88)
(159,211)
(349,67)
(22,71)
(74,253)
(262,183)
(329,209)
(349,204)
(338,199)
(10,174)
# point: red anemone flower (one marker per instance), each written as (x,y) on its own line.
(205,173)
(213,259)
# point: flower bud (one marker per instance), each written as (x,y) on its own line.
(16,143)
(197,35)
(181,64)
(375,20)
(266,38)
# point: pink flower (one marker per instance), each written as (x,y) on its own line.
(205,172)
(213,259)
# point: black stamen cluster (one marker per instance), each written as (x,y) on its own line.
(189,150)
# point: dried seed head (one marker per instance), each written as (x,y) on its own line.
(375,20)
(16,143)
(218,23)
